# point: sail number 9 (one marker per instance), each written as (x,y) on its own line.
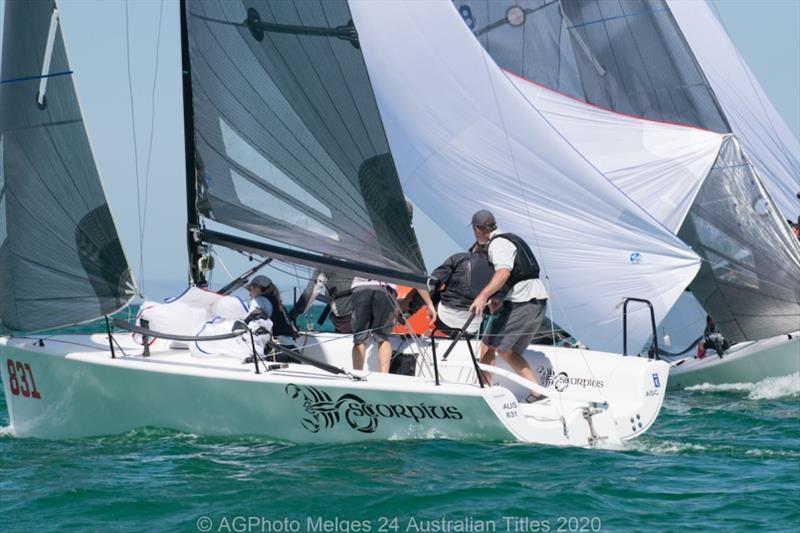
(20,380)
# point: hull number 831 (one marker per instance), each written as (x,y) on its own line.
(21,381)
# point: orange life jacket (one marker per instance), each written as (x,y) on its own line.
(418,322)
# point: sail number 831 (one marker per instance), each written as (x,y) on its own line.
(20,380)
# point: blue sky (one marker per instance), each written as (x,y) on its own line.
(766,32)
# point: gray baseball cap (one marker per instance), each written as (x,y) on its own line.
(483,219)
(260,281)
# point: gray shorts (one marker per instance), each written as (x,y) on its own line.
(515,325)
(373,313)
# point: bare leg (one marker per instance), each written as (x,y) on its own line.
(487,358)
(520,366)
(384,356)
(359,354)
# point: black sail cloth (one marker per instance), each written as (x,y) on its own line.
(61,261)
(289,141)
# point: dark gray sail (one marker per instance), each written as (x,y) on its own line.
(288,138)
(61,261)
(624,55)
(750,278)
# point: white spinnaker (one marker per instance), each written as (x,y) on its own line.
(659,166)
(464,138)
(767,140)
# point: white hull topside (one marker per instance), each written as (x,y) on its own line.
(746,362)
(68,386)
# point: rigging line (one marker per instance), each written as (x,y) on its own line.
(556,301)
(781,147)
(523,196)
(135,147)
(37,77)
(219,21)
(272,265)
(224,267)
(152,136)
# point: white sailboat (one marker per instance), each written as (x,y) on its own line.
(657,98)
(294,136)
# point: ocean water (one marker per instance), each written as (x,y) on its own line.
(719,458)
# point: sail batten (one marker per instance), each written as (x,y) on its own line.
(61,261)
(295,155)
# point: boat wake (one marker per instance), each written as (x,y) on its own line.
(766,389)
(657,446)
(6,431)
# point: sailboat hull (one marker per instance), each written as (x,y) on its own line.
(747,362)
(70,387)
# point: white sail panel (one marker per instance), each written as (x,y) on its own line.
(659,166)
(464,138)
(762,132)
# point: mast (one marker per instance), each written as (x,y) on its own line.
(193,243)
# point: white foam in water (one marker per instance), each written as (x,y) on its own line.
(663,447)
(7,431)
(766,389)
(774,388)
(721,387)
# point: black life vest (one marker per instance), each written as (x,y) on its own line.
(525,264)
(465,276)
(281,323)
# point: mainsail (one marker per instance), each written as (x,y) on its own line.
(625,55)
(464,138)
(289,141)
(61,261)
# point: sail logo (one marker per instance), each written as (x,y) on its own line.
(325,413)
(635,258)
(562,380)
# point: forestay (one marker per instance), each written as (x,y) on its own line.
(289,141)
(464,138)
(60,259)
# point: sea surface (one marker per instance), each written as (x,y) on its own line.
(719,458)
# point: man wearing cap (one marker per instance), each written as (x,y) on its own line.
(266,299)
(514,293)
